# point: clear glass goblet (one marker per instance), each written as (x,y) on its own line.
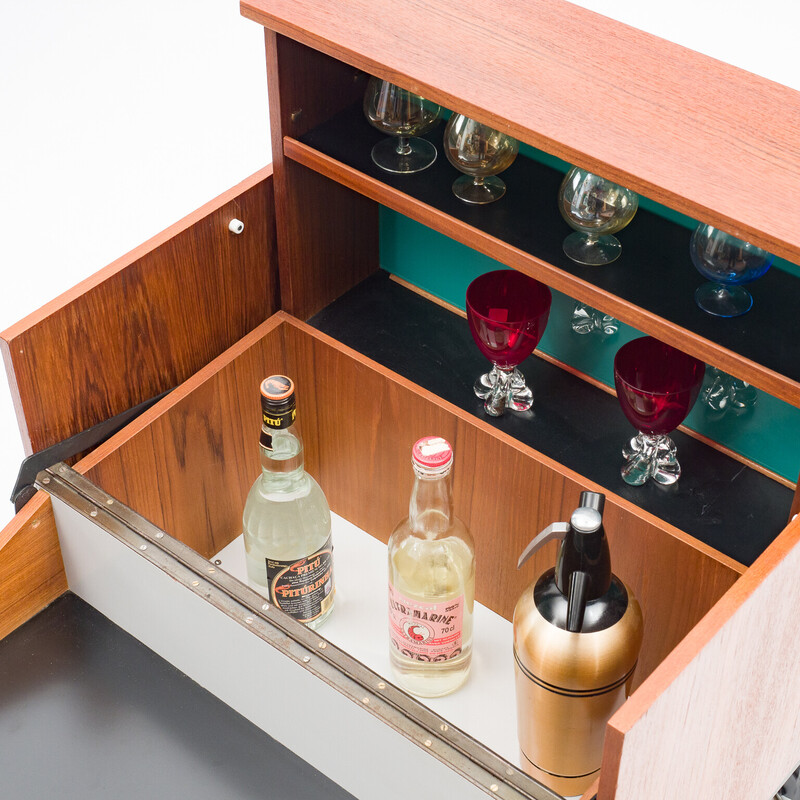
(596,208)
(727,262)
(404,116)
(507,313)
(657,386)
(480,152)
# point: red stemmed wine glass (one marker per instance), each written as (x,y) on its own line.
(656,387)
(507,313)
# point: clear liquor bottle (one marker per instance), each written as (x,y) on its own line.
(431,581)
(286,520)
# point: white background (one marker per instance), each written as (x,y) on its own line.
(117,119)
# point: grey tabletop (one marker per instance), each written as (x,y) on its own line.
(89,713)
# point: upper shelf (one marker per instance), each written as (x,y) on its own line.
(698,135)
(650,287)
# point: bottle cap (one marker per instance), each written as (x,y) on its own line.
(277,402)
(277,388)
(432,452)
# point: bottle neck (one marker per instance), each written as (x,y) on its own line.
(281,458)
(430,511)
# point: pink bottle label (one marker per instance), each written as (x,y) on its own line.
(425,631)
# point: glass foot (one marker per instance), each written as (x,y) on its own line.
(586,320)
(501,389)
(404,156)
(723,301)
(478,191)
(584,249)
(483,386)
(647,456)
(724,393)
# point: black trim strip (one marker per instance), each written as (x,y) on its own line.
(556,774)
(560,690)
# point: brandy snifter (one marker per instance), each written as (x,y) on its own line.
(480,152)
(404,116)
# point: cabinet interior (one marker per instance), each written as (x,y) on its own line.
(188,464)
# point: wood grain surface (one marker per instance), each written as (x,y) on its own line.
(188,463)
(327,236)
(146,322)
(31,569)
(654,116)
(642,319)
(720,717)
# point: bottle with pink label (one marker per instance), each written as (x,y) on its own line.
(431,581)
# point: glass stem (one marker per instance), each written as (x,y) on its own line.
(403,147)
(495,403)
(478,180)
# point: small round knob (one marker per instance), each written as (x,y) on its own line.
(236,226)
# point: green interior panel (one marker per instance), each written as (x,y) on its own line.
(768,433)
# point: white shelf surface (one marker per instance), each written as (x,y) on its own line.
(484,708)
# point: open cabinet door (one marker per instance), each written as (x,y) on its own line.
(132,331)
(149,320)
(720,717)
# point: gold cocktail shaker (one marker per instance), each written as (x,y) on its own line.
(577,634)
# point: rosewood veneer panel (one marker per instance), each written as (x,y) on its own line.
(327,235)
(31,569)
(188,462)
(148,321)
(657,117)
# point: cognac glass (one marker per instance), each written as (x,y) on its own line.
(480,152)
(403,115)
(507,313)
(657,386)
(727,262)
(596,208)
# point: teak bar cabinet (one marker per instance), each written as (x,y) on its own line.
(204,313)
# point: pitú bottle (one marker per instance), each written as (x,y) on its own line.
(431,581)
(287,522)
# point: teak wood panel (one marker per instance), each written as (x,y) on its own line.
(188,463)
(327,236)
(720,717)
(709,351)
(31,569)
(147,321)
(649,114)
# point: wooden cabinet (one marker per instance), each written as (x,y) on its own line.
(717,705)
